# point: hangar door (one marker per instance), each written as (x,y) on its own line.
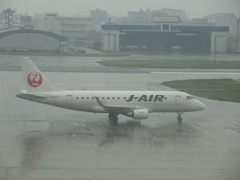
(166,42)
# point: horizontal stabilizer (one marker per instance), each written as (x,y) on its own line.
(30,96)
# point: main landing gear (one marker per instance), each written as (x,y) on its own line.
(179,117)
(113,117)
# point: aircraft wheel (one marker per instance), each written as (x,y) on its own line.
(113,118)
(179,117)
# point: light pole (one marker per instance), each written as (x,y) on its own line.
(238,21)
(109,20)
(215,48)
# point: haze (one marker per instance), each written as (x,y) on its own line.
(193,8)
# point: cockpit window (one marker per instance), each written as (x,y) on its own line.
(190,97)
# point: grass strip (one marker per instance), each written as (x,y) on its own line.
(173,64)
(217,89)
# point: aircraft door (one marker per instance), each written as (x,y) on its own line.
(178,100)
(69,99)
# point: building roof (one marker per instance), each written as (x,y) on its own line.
(131,27)
(182,28)
(200,28)
(46,33)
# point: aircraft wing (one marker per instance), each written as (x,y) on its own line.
(115,108)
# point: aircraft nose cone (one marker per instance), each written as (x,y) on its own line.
(202,106)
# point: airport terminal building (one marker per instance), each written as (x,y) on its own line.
(165,38)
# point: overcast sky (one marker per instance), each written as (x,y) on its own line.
(193,8)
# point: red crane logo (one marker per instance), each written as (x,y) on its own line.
(34,79)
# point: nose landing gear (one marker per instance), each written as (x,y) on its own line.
(179,117)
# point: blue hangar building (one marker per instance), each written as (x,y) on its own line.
(165,38)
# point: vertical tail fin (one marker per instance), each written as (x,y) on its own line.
(34,79)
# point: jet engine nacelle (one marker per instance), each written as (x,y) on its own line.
(138,114)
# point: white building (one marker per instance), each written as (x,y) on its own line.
(26,21)
(139,16)
(231,20)
(224,19)
(74,28)
(170,13)
(99,16)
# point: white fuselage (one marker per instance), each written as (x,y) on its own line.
(153,101)
(135,104)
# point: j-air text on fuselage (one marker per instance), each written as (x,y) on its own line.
(135,104)
(149,98)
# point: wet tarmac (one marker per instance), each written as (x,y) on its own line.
(44,142)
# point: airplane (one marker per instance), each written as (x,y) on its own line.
(134,104)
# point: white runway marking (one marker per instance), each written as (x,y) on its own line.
(198,73)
